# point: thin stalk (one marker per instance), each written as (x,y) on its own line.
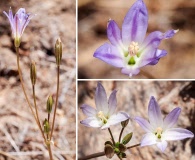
(121,134)
(7,155)
(100,154)
(50,152)
(111,136)
(56,102)
(23,87)
(37,113)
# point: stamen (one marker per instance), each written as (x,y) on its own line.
(158,132)
(133,48)
(102,117)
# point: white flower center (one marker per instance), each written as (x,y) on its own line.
(133,48)
(103,118)
(159,132)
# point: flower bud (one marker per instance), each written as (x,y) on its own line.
(122,155)
(49,104)
(46,126)
(58,51)
(109,151)
(127,138)
(124,123)
(33,74)
(108,142)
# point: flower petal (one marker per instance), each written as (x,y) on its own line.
(154,113)
(130,71)
(148,139)
(162,145)
(112,103)
(88,110)
(114,33)
(115,119)
(151,57)
(135,23)
(91,122)
(153,39)
(101,98)
(144,124)
(171,119)
(177,134)
(109,54)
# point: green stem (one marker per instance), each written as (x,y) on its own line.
(56,102)
(121,134)
(23,88)
(100,154)
(111,136)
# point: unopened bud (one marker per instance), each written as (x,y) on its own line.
(122,147)
(122,155)
(58,51)
(33,74)
(49,104)
(127,138)
(108,142)
(109,151)
(124,123)
(46,126)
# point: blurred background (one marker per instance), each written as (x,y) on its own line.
(19,134)
(163,15)
(133,97)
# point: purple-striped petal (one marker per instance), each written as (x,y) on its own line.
(153,39)
(130,71)
(112,103)
(152,56)
(177,134)
(115,119)
(88,110)
(101,98)
(154,113)
(135,23)
(91,122)
(144,124)
(114,33)
(162,145)
(171,119)
(109,54)
(148,139)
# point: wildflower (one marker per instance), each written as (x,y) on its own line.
(159,130)
(18,23)
(128,49)
(104,115)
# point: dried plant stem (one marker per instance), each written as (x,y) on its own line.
(23,88)
(100,154)
(56,102)
(7,155)
(37,113)
(111,136)
(121,134)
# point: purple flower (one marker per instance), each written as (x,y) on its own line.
(129,49)
(159,130)
(18,22)
(104,116)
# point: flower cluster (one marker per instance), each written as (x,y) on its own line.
(128,48)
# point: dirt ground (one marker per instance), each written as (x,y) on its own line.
(133,98)
(19,134)
(163,15)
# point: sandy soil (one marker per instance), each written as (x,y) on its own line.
(19,134)
(163,15)
(133,98)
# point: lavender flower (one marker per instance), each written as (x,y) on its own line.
(18,23)
(128,49)
(104,115)
(159,130)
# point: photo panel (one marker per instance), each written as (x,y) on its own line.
(157,120)
(137,39)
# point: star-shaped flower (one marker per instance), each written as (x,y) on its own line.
(104,116)
(18,22)
(159,130)
(129,49)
